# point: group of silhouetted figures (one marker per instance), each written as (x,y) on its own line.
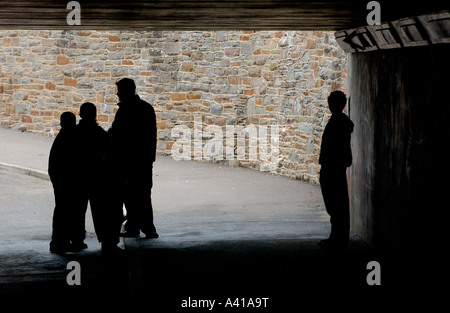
(108,170)
(112,169)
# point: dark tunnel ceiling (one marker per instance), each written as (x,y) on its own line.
(205,14)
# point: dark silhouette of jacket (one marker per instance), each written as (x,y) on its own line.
(62,158)
(335,150)
(92,144)
(133,134)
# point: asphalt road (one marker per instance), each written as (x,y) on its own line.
(224,232)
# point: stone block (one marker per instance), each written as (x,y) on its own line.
(165,135)
(98,67)
(194,96)
(311,44)
(70,82)
(178,96)
(62,60)
(62,43)
(232,52)
(41,104)
(50,86)
(119,71)
(216,109)
(26,119)
(246,48)
(172,48)
(222,36)
(113,38)
(221,121)
(10,109)
(231,120)
(187,67)
(169,116)
(22,108)
(251,106)
(78,72)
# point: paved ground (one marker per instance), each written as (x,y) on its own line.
(225,233)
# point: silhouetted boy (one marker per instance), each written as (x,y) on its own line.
(133,135)
(335,157)
(62,175)
(92,144)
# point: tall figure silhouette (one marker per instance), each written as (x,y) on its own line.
(133,150)
(62,175)
(335,157)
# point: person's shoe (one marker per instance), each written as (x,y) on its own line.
(130,233)
(78,246)
(59,248)
(111,250)
(151,235)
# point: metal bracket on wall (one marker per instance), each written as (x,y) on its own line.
(428,29)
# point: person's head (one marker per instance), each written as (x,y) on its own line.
(68,120)
(126,88)
(337,101)
(88,112)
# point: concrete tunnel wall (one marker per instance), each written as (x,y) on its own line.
(400,105)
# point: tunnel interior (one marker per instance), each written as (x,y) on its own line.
(396,95)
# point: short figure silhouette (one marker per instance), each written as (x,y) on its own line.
(335,157)
(92,143)
(133,151)
(62,175)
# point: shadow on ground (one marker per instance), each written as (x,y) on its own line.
(164,275)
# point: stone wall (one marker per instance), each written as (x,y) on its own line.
(218,78)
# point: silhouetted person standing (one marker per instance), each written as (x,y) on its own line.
(62,175)
(92,143)
(133,152)
(335,157)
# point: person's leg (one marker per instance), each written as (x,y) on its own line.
(112,217)
(342,210)
(110,212)
(139,207)
(326,186)
(145,206)
(333,184)
(146,213)
(131,202)
(79,202)
(97,201)
(60,237)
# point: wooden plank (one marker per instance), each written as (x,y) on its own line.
(200,14)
